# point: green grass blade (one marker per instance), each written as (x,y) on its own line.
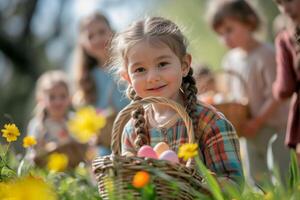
(211,181)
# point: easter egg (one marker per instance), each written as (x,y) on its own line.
(160,148)
(170,156)
(147,152)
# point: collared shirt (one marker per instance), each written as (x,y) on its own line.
(217,139)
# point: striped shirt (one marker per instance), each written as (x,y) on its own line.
(217,140)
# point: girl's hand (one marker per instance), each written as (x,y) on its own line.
(251,127)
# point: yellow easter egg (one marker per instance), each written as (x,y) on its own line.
(160,148)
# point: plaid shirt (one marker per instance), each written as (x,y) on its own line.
(218,142)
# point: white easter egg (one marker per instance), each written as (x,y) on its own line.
(170,156)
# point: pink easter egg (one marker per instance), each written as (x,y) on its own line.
(170,156)
(147,152)
(160,148)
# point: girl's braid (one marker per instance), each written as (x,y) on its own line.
(139,121)
(190,92)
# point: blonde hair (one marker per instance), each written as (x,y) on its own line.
(156,30)
(84,63)
(45,83)
(239,10)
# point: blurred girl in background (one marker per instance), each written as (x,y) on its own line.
(95,85)
(49,125)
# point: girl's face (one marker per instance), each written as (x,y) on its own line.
(290,8)
(56,101)
(96,37)
(234,33)
(156,70)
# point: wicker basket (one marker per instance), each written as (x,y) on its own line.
(73,150)
(236,111)
(121,169)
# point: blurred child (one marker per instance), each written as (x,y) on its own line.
(235,21)
(52,112)
(154,62)
(205,83)
(205,80)
(287,83)
(95,85)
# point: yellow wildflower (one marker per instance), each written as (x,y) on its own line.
(29,141)
(3,190)
(28,188)
(86,124)
(10,132)
(140,179)
(57,162)
(268,196)
(187,151)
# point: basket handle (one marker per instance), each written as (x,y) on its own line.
(125,114)
(237,75)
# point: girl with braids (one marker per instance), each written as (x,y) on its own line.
(95,85)
(235,21)
(287,83)
(154,62)
(52,111)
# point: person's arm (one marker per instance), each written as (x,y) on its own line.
(221,152)
(252,126)
(285,83)
(267,110)
(266,73)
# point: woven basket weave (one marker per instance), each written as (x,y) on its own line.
(120,169)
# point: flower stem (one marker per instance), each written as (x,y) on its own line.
(5,152)
(211,181)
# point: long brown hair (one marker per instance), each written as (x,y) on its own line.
(84,63)
(157,30)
